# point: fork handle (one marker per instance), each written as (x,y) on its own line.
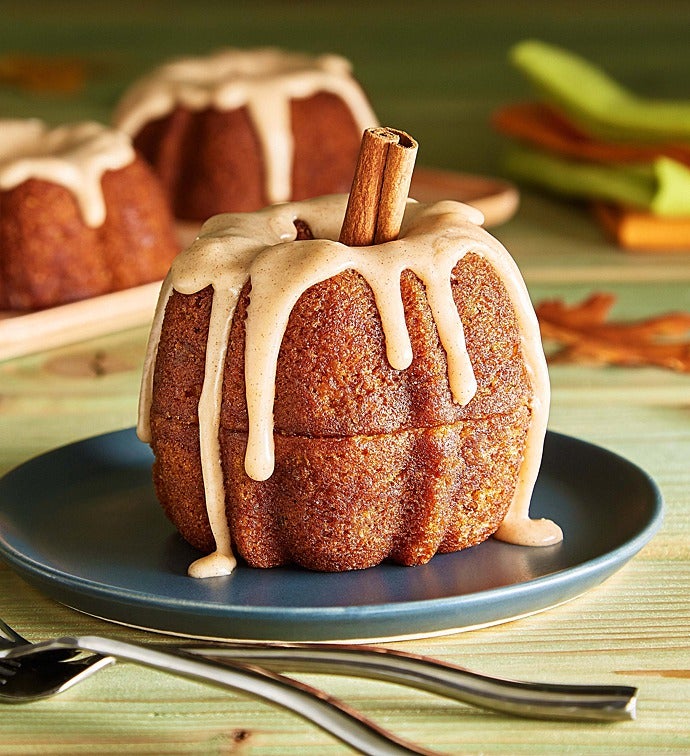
(534,700)
(314,705)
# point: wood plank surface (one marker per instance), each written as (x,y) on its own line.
(436,71)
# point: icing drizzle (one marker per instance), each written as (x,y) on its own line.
(74,156)
(261,246)
(264,80)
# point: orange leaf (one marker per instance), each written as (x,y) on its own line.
(583,334)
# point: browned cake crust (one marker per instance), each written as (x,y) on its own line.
(49,256)
(211,162)
(371,462)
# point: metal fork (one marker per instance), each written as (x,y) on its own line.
(332,715)
(533,700)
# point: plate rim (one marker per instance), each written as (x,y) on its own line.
(589,572)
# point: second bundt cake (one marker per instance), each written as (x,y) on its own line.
(81,214)
(332,406)
(240,129)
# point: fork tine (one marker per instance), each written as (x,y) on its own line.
(8,668)
(10,638)
(9,634)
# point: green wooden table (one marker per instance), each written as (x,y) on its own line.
(436,70)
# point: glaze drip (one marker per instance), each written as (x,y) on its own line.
(74,156)
(261,247)
(264,80)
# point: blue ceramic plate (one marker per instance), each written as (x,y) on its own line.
(82,524)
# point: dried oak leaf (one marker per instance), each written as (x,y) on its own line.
(584,335)
(35,73)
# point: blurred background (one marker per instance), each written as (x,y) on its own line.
(435,69)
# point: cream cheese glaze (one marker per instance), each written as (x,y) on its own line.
(74,156)
(264,80)
(261,246)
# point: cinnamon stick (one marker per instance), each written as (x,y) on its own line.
(380,187)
